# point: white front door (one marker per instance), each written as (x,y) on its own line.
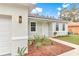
(5,35)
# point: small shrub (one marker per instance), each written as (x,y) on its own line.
(38,44)
(21,51)
(47,42)
(30,42)
(55,33)
(41,40)
(37,39)
(63,36)
(70,33)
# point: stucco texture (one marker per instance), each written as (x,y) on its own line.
(73,27)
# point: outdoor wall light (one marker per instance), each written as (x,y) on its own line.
(20,19)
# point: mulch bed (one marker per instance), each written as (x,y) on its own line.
(51,50)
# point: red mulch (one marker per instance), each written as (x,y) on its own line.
(51,50)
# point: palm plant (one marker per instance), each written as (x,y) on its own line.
(41,40)
(38,41)
(21,51)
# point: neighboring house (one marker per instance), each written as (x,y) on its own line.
(46,26)
(73,27)
(13,27)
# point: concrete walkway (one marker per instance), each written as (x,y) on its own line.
(74,52)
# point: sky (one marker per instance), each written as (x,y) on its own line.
(51,9)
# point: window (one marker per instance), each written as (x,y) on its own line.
(63,27)
(57,28)
(20,19)
(33,26)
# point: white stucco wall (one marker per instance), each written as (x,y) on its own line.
(41,28)
(31,34)
(50,29)
(47,28)
(60,25)
(19,32)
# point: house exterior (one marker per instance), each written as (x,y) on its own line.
(16,27)
(13,27)
(73,27)
(46,27)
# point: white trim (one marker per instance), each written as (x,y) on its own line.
(19,38)
(44,19)
(4,53)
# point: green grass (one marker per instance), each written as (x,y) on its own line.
(71,38)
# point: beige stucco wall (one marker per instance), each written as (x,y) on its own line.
(19,32)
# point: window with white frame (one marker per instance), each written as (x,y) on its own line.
(57,27)
(33,26)
(63,27)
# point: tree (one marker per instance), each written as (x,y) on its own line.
(73,12)
(64,13)
(70,15)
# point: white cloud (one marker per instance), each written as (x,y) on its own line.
(59,9)
(37,10)
(33,3)
(65,5)
(58,13)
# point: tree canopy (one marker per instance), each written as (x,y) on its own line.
(71,14)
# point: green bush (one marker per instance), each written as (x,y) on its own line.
(63,36)
(47,42)
(70,33)
(38,44)
(55,33)
(30,42)
(39,41)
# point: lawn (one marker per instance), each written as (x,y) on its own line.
(71,38)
